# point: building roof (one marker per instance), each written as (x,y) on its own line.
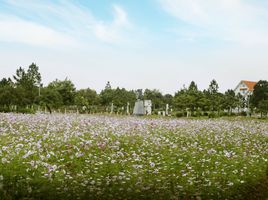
(249,84)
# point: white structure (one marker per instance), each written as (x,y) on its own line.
(148,107)
(245,88)
(143,107)
(128,108)
(167,107)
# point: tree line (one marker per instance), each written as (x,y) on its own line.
(25,93)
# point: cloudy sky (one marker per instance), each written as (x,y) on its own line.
(161,44)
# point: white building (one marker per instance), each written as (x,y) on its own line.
(245,88)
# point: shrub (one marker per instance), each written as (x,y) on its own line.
(179,114)
(205,114)
(222,113)
(212,115)
(197,114)
(4,109)
(243,113)
(26,110)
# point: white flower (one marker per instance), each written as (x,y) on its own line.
(227,154)
(152,164)
(211,151)
(19,145)
(92,182)
(4,148)
(4,160)
(230,183)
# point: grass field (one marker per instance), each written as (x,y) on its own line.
(110,157)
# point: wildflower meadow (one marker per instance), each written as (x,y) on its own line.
(68,156)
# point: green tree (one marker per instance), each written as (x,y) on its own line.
(156,97)
(66,89)
(86,99)
(7,94)
(213,96)
(168,99)
(260,96)
(118,97)
(242,102)
(139,94)
(188,99)
(51,98)
(230,101)
(181,100)
(29,79)
(106,96)
(263,107)
(27,83)
(121,97)
(6,82)
(193,86)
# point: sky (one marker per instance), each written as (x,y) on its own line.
(155,44)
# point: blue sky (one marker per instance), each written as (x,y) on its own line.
(161,44)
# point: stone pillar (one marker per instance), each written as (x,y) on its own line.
(127,108)
(112,108)
(167,107)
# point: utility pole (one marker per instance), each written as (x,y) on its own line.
(39,94)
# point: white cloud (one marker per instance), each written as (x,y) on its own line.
(112,32)
(120,17)
(13,29)
(46,22)
(230,20)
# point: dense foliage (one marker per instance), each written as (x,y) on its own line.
(25,93)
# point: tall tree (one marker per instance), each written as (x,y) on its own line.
(259,97)
(106,96)
(156,97)
(230,100)
(51,98)
(168,99)
(188,98)
(118,97)
(6,82)
(7,94)
(29,79)
(213,95)
(139,94)
(86,99)
(66,89)
(27,83)
(193,86)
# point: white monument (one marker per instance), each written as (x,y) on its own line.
(148,107)
(127,108)
(167,107)
(138,108)
(143,107)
